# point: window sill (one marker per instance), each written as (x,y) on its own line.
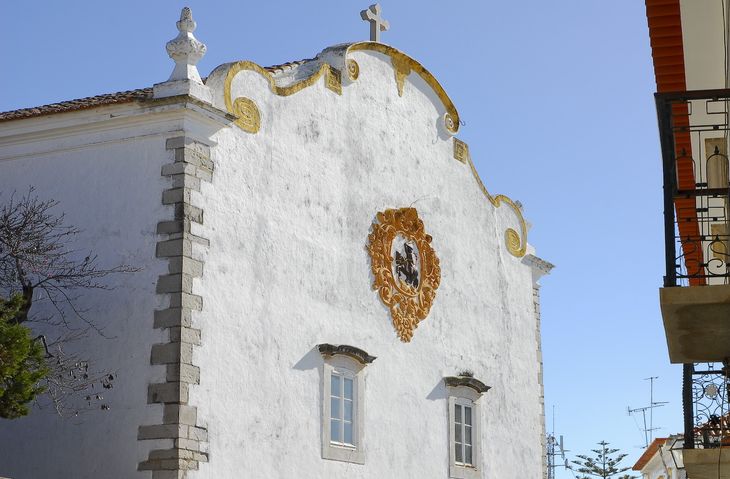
(457,471)
(336,452)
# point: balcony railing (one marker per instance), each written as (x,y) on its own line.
(694,135)
(706,407)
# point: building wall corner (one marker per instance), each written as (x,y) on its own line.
(180,426)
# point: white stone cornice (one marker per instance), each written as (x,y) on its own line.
(539,266)
(39,136)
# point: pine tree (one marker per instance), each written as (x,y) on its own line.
(22,362)
(603,465)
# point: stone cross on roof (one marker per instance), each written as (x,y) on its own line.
(377,22)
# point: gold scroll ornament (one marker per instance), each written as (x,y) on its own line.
(249,118)
(408,304)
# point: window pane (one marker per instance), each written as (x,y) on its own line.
(335,430)
(348,388)
(335,408)
(335,386)
(457,414)
(467,435)
(348,410)
(457,453)
(467,455)
(467,415)
(457,433)
(348,433)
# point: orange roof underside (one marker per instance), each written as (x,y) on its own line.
(649,453)
(667,51)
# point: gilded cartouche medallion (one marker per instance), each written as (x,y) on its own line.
(406,269)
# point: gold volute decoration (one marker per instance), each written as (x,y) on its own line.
(333,81)
(249,118)
(353,70)
(516,243)
(409,298)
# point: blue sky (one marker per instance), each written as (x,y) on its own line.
(557,100)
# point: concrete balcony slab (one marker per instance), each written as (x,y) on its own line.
(696,323)
(707,463)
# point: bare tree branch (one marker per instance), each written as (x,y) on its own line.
(38,261)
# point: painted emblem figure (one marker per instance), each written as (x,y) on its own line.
(406,270)
(407,265)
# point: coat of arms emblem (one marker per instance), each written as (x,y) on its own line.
(406,269)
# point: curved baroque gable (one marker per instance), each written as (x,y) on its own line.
(336,67)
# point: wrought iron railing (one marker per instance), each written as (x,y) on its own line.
(694,134)
(706,407)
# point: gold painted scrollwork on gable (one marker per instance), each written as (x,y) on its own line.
(406,284)
(353,70)
(461,150)
(333,81)
(403,65)
(516,242)
(249,118)
(512,240)
(450,123)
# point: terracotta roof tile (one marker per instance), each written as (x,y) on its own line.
(79,104)
(287,65)
(110,98)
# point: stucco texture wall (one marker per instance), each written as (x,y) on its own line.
(288,215)
(108,185)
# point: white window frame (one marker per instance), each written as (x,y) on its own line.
(465,396)
(347,367)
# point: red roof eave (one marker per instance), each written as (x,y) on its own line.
(649,453)
(667,51)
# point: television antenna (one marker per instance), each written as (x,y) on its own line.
(555,448)
(648,431)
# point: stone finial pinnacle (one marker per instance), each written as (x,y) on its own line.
(186,22)
(185,49)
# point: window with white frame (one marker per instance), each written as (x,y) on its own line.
(464,426)
(463,432)
(343,392)
(342,407)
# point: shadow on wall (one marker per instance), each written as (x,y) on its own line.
(438,392)
(311,360)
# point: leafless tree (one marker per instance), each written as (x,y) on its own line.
(38,260)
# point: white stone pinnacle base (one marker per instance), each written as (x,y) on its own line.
(182,87)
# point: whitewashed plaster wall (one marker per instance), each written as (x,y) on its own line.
(106,177)
(288,215)
(705,55)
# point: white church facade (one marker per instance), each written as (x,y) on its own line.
(325,289)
